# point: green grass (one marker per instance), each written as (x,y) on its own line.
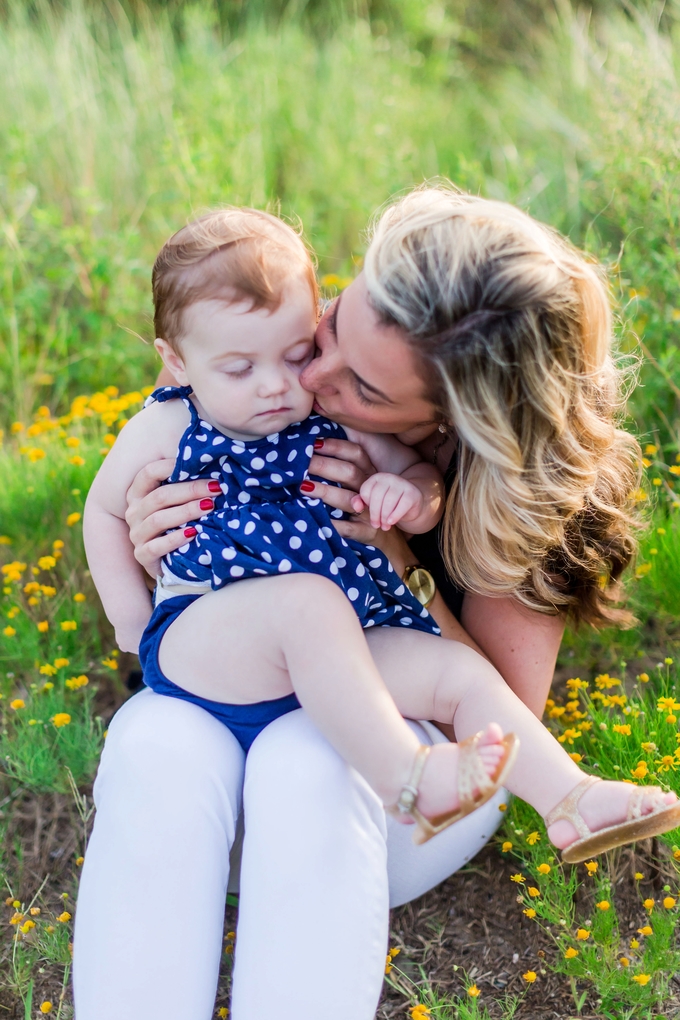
(120,129)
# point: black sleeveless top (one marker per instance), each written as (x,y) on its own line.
(427,548)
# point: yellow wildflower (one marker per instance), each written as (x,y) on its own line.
(72,519)
(530,912)
(570,953)
(622,728)
(5,540)
(17,704)
(643,677)
(473,991)
(61,719)
(624,961)
(9,631)
(77,460)
(43,626)
(668,661)
(667,705)
(26,927)
(223,1011)
(605,682)
(530,977)
(575,683)
(69,625)
(591,867)
(420,1012)
(650,449)
(48,591)
(569,736)
(645,930)
(533,838)
(60,663)
(14,611)
(582,934)
(111,663)
(544,869)
(48,686)
(642,979)
(640,770)
(638,876)
(80,861)
(603,905)
(669,902)
(16,918)
(64,918)
(575,756)
(79,597)
(57,544)
(46,1006)
(634,944)
(34,911)
(648,746)
(533,891)
(506,846)
(648,904)
(517,878)
(666,763)
(73,442)
(47,562)
(48,669)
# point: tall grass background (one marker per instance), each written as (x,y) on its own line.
(122,123)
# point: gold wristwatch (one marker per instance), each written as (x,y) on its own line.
(420,583)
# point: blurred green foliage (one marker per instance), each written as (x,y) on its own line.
(125,121)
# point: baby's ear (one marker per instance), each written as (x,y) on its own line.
(171,360)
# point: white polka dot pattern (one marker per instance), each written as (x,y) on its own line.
(263,525)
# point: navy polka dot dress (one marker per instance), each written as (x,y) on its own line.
(262,525)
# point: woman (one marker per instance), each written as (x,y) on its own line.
(480,337)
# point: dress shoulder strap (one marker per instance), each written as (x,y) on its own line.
(164,393)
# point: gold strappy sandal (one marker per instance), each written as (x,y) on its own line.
(475,785)
(660,819)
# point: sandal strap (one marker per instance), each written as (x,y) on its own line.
(473,779)
(409,792)
(567,809)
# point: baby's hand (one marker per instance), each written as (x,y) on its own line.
(390,499)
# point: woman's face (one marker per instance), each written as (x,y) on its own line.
(365,374)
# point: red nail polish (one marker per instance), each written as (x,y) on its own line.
(190,532)
(318,444)
(307,486)
(207,504)
(214,487)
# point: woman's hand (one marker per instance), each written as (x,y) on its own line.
(349,464)
(154,509)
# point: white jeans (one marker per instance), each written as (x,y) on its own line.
(320,864)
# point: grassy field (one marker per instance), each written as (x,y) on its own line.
(118,131)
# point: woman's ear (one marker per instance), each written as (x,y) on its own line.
(172,361)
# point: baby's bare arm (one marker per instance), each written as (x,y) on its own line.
(405,490)
(152,434)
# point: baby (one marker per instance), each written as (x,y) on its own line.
(235,313)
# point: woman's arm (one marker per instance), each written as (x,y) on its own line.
(521,643)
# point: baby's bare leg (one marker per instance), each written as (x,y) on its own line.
(261,639)
(432,678)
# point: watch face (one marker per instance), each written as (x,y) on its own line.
(421,584)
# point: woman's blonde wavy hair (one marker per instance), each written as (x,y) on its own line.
(514,330)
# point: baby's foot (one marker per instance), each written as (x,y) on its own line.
(604,804)
(438,793)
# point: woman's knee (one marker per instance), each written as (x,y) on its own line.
(155,740)
(292,763)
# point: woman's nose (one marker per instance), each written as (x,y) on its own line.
(319,373)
